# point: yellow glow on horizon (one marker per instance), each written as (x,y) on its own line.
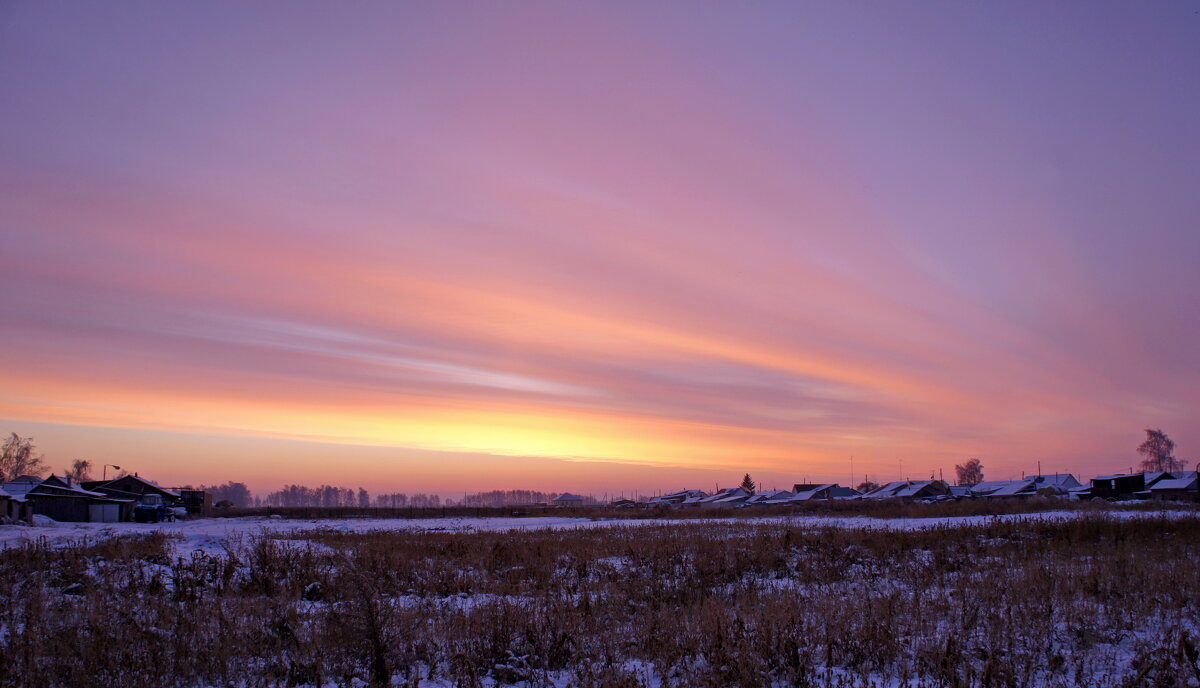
(421,424)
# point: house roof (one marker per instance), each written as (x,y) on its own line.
(19,486)
(812,492)
(568,497)
(54,486)
(1064,480)
(914,487)
(1004,488)
(988,486)
(1015,487)
(724,494)
(680,497)
(770,497)
(887,490)
(1188,481)
(136,478)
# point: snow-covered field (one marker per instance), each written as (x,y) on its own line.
(211,535)
(1092,597)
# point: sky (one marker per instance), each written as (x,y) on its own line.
(598,246)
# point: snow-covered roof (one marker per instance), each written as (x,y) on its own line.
(568,497)
(914,487)
(988,486)
(1015,487)
(770,497)
(814,492)
(680,497)
(20,486)
(144,481)
(1063,480)
(888,490)
(724,494)
(64,487)
(1188,481)
(1004,488)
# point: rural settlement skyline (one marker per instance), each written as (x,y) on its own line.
(598,247)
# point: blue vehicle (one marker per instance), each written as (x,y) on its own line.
(153,509)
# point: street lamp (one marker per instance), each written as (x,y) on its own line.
(104,471)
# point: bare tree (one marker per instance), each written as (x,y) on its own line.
(747,484)
(19,457)
(80,471)
(867,485)
(1158,452)
(237,494)
(969,473)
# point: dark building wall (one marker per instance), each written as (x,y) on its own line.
(61,508)
(1116,488)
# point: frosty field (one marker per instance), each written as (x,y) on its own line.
(213,535)
(1105,598)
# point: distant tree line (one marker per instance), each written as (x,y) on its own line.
(230,494)
(507,498)
(399,500)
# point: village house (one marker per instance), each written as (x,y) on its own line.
(680,498)
(63,499)
(1055,483)
(910,490)
(568,499)
(812,492)
(728,497)
(133,487)
(768,498)
(1182,486)
(1005,489)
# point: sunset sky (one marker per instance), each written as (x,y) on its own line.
(598,246)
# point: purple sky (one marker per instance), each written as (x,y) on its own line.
(596,246)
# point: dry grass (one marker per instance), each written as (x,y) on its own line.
(1078,602)
(884,508)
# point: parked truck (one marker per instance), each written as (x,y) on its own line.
(153,509)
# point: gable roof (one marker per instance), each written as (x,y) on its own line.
(1004,488)
(55,486)
(887,490)
(1187,481)
(1063,480)
(21,485)
(724,494)
(112,485)
(813,492)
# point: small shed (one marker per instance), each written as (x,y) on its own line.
(15,509)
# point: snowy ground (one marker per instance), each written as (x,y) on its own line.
(212,534)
